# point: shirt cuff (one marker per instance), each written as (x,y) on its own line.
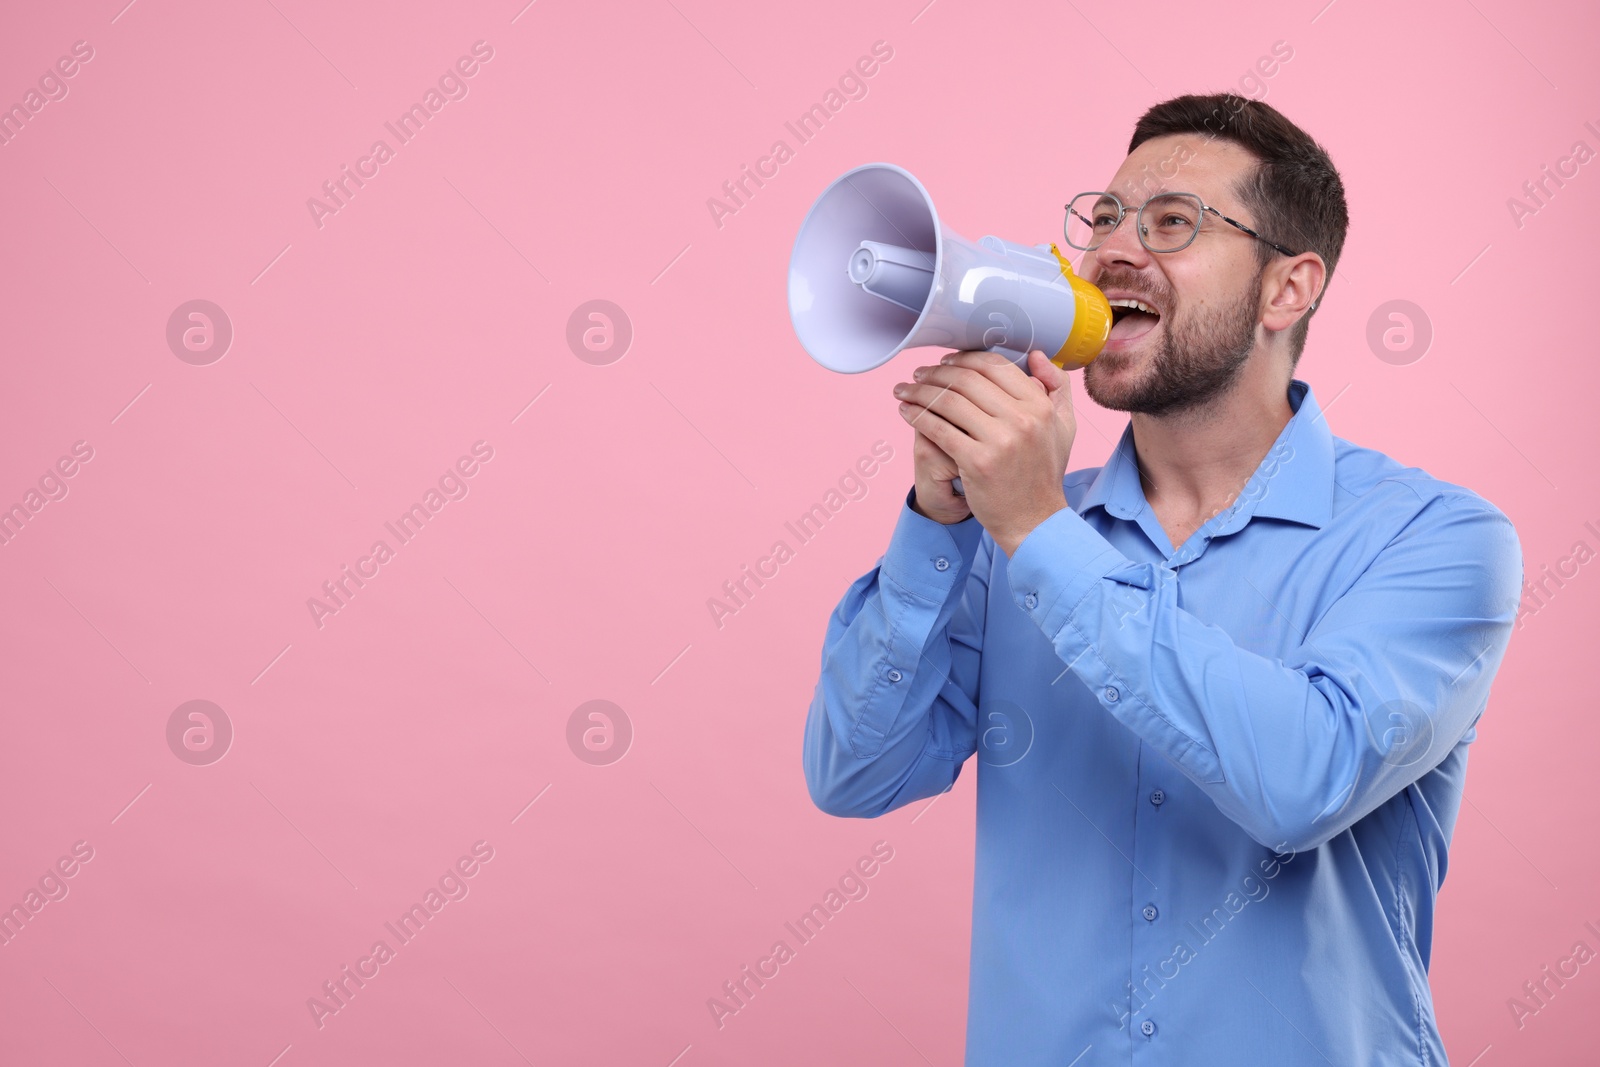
(928,558)
(1056,565)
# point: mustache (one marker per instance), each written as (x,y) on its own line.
(1134,284)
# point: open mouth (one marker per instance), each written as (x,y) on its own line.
(1131,319)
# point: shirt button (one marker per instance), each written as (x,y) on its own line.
(941,564)
(894,675)
(1150,913)
(1147,1028)
(1030,601)
(1112,695)
(1157,798)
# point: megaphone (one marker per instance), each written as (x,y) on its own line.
(874,272)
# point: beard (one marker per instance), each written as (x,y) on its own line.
(1198,359)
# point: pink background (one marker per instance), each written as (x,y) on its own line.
(369,353)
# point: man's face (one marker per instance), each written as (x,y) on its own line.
(1208,295)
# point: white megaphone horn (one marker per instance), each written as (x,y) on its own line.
(874,272)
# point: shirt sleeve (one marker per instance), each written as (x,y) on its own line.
(894,713)
(1296,750)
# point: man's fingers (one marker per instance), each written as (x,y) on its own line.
(932,455)
(1056,381)
(1045,372)
(946,401)
(998,369)
(949,439)
(976,387)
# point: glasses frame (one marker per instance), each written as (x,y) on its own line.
(1139,226)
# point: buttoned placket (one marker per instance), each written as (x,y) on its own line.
(1152,933)
(1152,936)
(1150,928)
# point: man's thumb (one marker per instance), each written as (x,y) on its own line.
(1050,376)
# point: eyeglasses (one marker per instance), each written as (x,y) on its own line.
(1167,222)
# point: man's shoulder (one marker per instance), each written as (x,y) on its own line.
(1367,481)
(1369,486)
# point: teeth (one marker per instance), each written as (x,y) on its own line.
(1137,305)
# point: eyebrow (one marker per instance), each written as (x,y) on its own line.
(1105,198)
(1104,201)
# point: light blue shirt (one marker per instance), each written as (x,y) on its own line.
(1217,782)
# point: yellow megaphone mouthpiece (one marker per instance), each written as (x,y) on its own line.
(1091,324)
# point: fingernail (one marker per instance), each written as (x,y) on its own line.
(919,373)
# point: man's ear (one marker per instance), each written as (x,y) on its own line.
(1293,288)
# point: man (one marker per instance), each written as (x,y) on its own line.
(1220,689)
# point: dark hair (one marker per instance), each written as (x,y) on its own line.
(1294,193)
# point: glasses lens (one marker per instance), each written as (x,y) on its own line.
(1090,219)
(1169,221)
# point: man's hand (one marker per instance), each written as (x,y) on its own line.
(1009,436)
(934,498)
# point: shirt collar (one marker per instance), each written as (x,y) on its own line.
(1295,477)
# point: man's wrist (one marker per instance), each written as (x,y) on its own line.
(917,507)
(1011,539)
